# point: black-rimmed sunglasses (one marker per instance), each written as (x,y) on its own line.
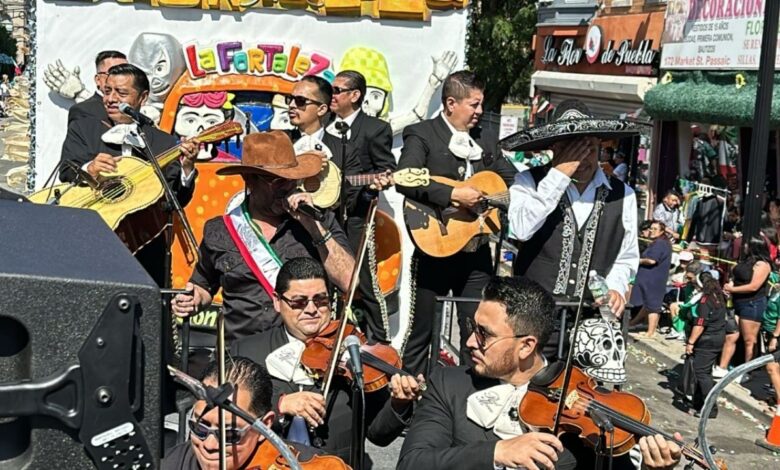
(300,303)
(338,90)
(300,101)
(232,435)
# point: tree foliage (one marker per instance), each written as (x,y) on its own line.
(499,48)
(7,43)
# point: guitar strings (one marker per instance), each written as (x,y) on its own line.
(171,153)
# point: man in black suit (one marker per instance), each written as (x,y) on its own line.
(93,106)
(303,302)
(454,146)
(468,419)
(373,139)
(96,145)
(308,104)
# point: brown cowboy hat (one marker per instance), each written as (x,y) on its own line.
(273,153)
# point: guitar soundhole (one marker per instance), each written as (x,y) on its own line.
(116,189)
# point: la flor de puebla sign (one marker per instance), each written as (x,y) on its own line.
(568,54)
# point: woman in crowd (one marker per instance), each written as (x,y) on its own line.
(650,284)
(706,333)
(689,296)
(749,290)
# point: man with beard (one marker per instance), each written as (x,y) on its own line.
(96,145)
(242,251)
(302,301)
(468,418)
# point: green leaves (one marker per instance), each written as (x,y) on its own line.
(499,48)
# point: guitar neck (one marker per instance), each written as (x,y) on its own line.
(362,179)
(169,156)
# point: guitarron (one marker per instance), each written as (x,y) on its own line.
(444,231)
(122,198)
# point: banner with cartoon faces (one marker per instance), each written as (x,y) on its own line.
(206,67)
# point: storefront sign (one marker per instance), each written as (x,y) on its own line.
(624,54)
(712,35)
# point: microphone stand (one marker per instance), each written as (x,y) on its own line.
(343,129)
(220,397)
(503,219)
(357,447)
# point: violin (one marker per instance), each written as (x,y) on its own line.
(627,412)
(380,361)
(269,457)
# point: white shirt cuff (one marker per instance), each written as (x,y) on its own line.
(186,180)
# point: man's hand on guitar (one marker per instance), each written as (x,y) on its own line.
(103,163)
(382,181)
(189,153)
(466,196)
(184,305)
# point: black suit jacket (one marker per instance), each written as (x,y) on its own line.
(91,107)
(83,142)
(383,425)
(373,138)
(426,145)
(442,437)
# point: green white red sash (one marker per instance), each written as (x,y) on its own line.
(256,251)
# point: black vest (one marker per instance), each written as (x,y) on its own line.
(554,255)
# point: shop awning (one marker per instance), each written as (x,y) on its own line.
(725,98)
(607,87)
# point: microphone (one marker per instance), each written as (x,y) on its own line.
(601,421)
(311,211)
(141,119)
(501,205)
(352,344)
(83,175)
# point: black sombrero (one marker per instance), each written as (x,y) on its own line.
(571,120)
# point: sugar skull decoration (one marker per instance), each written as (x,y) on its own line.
(372,64)
(601,351)
(199,111)
(281,118)
(159,56)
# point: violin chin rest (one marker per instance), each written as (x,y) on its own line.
(548,374)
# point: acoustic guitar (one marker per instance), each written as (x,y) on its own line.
(444,231)
(325,188)
(133,187)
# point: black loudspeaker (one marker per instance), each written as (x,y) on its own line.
(80,344)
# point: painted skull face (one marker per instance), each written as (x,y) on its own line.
(601,351)
(160,57)
(374,101)
(192,121)
(281,119)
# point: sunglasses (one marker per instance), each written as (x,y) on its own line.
(481,336)
(232,435)
(300,303)
(339,90)
(300,101)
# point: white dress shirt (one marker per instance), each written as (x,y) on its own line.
(530,204)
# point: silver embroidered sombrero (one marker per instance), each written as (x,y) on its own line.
(571,120)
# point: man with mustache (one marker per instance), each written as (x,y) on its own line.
(242,251)
(96,145)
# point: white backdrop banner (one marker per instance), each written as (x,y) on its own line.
(210,66)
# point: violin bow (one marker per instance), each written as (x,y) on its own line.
(351,295)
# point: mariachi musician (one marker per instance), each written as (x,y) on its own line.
(96,144)
(454,146)
(246,448)
(469,418)
(302,301)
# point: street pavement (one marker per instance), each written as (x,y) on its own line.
(651,376)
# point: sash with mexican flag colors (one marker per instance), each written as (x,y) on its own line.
(255,249)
